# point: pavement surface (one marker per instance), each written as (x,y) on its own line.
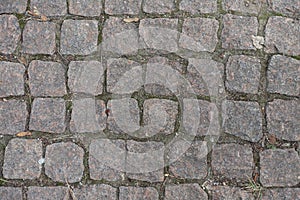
(158,99)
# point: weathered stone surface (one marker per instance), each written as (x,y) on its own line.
(39,37)
(159,6)
(185,192)
(107,159)
(146,193)
(290,8)
(9,193)
(192,164)
(144,161)
(243,74)
(16,6)
(11,79)
(50,8)
(232,161)
(87,8)
(279,168)
(281,194)
(120,37)
(85,77)
(13,115)
(21,159)
(48,115)
(244,6)
(283,119)
(237,31)
(242,119)
(64,162)
(199,34)
(46,78)
(79,37)
(47,193)
(88,115)
(281,35)
(232,193)
(10,33)
(159,34)
(198,6)
(102,191)
(130,7)
(283,75)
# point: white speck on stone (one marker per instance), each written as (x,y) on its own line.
(258,41)
(41,161)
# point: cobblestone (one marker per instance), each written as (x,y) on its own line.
(283,119)
(21,159)
(240,164)
(86,8)
(130,7)
(17,6)
(249,7)
(47,193)
(46,78)
(11,79)
(159,6)
(96,192)
(232,193)
(274,172)
(48,115)
(50,8)
(290,8)
(281,193)
(10,33)
(198,6)
(64,162)
(185,192)
(146,193)
(9,193)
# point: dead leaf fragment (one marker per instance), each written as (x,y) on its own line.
(23,134)
(130,20)
(44,18)
(258,41)
(272,139)
(22,60)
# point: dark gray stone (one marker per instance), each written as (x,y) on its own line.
(159,6)
(10,33)
(11,193)
(130,7)
(242,119)
(145,193)
(185,192)
(102,191)
(281,194)
(244,6)
(290,8)
(47,193)
(198,6)
(79,37)
(16,6)
(48,115)
(21,159)
(13,116)
(237,32)
(232,193)
(279,168)
(39,38)
(50,8)
(11,79)
(199,34)
(46,78)
(232,161)
(88,8)
(281,35)
(64,162)
(283,75)
(243,74)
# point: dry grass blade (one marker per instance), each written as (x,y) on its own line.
(254,188)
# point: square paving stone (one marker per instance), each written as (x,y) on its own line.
(282,36)
(88,115)
(159,34)
(48,115)
(16,6)
(281,194)
(145,193)
(21,159)
(115,7)
(244,6)
(64,162)
(290,8)
(145,161)
(11,193)
(88,8)
(50,8)
(107,159)
(13,114)
(232,193)
(237,31)
(86,77)
(102,191)
(283,75)
(242,119)
(199,34)
(79,37)
(283,119)
(198,6)
(117,35)
(47,193)
(11,79)
(279,168)
(10,33)
(46,78)
(192,164)
(232,161)
(39,38)
(243,74)
(185,192)
(159,6)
